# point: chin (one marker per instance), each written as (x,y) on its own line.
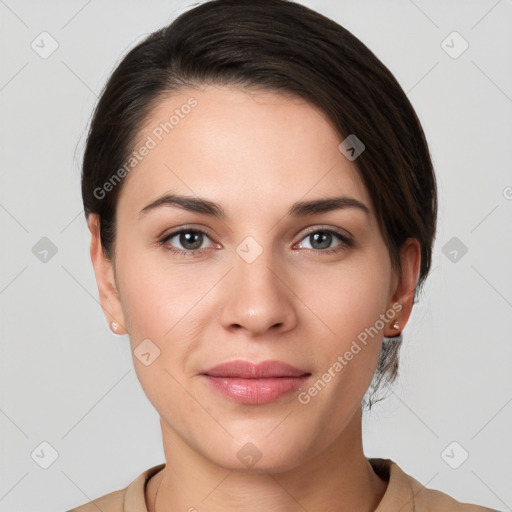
(259,454)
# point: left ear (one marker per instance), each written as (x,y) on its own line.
(410,259)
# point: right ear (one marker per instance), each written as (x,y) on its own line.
(105,278)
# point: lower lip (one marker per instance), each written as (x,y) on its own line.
(255,391)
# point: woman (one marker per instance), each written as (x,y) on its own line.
(262,207)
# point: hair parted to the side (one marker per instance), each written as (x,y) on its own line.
(280,46)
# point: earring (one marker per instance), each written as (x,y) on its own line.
(113,326)
(396,325)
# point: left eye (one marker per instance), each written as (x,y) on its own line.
(323,239)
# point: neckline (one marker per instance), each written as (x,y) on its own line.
(381,467)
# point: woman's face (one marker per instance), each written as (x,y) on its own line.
(269,280)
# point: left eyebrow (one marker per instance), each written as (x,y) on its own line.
(326,205)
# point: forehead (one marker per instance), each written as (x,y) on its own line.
(241,148)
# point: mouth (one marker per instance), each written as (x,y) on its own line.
(255,384)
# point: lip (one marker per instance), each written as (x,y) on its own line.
(255,384)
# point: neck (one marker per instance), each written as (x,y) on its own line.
(338,479)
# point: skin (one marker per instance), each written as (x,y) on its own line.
(255,153)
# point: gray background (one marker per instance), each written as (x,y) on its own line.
(66,380)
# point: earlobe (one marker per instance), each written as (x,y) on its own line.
(410,260)
(105,279)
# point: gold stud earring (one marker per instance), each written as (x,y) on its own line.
(113,326)
(396,325)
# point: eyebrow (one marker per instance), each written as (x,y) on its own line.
(301,208)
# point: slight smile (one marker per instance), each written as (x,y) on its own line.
(255,384)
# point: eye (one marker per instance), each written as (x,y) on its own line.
(192,242)
(322,240)
(187,241)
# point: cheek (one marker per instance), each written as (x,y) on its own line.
(167,303)
(154,295)
(142,291)
(349,299)
(348,352)
(160,306)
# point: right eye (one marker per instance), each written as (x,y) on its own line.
(192,241)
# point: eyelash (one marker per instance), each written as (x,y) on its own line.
(345,242)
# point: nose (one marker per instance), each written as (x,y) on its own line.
(258,297)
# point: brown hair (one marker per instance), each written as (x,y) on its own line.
(281,46)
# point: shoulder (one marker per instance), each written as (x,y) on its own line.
(431,500)
(408,495)
(131,498)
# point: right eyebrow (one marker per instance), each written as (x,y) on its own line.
(190,203)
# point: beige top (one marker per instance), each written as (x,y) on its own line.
(404,494)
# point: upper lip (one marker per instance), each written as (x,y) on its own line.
(247,370)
